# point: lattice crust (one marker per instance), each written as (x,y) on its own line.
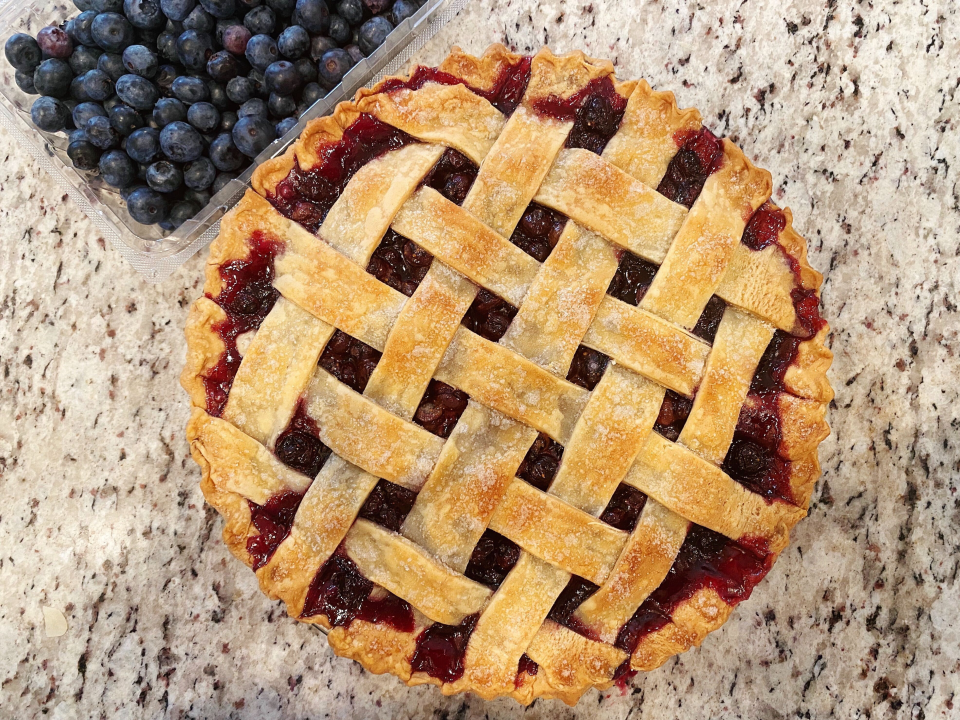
(517,387)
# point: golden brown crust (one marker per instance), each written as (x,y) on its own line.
(569,663)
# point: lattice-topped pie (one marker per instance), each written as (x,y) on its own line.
(510,375)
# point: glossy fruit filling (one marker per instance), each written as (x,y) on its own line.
(598,117)
(341,593)
(246,296)
(349,360)
(709,320)
(674,411)
(538,231)
(753,459)
(388,505)
(541,462)
(452,176)
(573,595)
(299,446)
(632,278)
(489,316)
(587,367)
(440,408)
(440,649)
(399,263)
(493,558)
(706,560)
(776,359)
(700,155)
(273,521)
(623,510)
(306,195)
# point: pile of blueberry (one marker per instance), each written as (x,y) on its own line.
(170,99)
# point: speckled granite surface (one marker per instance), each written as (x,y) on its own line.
(854,110)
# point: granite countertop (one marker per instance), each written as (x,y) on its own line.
(854,109)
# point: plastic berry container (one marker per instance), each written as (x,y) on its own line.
(153,252)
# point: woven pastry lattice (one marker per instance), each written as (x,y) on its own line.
(584,585)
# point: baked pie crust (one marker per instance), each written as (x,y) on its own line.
(385,547)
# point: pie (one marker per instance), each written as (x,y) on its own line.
(509,375)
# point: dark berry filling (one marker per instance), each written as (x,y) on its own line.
(587,367)
(632,279)
(341,593)
(538,231)
(706,560)
(673,415)
(493,558)
(246,297)
(624,508)
(400,263)
(541,463)
(526,666)
(440,408)
(807,306)
(299,445)
(779,355)
(273,521)
(598,119)
(505,95)
(700,154)
(388,505)
(573,595)
(764,227)
(452,176)
(753,459)
(441,648)
(709,321)
(489,316)
(349,360)
(306,196)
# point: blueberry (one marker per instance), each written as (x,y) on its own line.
(97,85)
(49,114)
(260,21)
(252,135)
(180,142)
(227,121)
(148,37)
(117,169)
(141,61)
(84,154)
(377,6)
(200,174)
(167,46)
(193,49)
(144,14)
(221,28)
(351,11)
(319,45)
(203,116)
(111,102)
(197,197)
(163,176)
(137,92)
(100,132)
(179,214)
(105,6)
(82,27)
(112,65)
(221,181)
(165,77)
(199,20)
(240,89)
(261,51)
(54,42)
(77,91)
(259,82)
(281,106)
(83,59)
(333,66)
(174,26)
(222,66)
(83,5)
(218,95)
(53,77)
(311,93)
(372,34)
(86,110)
(285,125)
(75,134)
(339,30)
(235,39)
(168,110)
(147,206)
(402,9)
(177,9)
(281,78)
(255,107)
(294,42)
(24,80)
(143,145)
(283,8)
(220,8)
(125,119)
(313,15)
(355,53)
(112,31)
(189,89)
(306,69)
